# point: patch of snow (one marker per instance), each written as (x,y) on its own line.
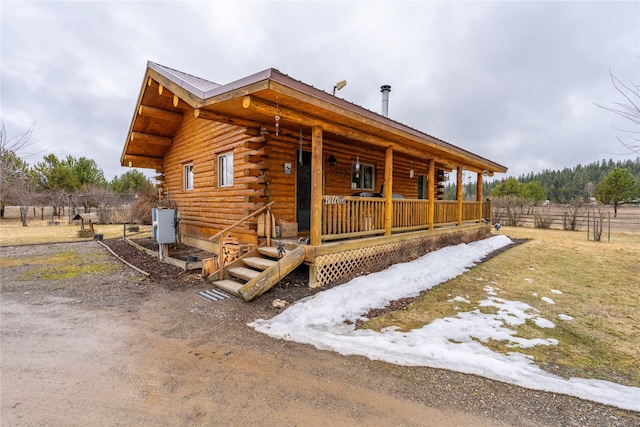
(555,291)
(544,323)
(564,317)
(460,299)
(453,343)
(547,300)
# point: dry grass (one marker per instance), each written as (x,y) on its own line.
(600,284)
(13,233)
(59,265)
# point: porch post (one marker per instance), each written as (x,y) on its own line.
(479,196)
(316,187)
(431,192)
(388,191)
(459,193)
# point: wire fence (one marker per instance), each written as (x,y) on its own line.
(568,217)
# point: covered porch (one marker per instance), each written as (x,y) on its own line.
(409,200)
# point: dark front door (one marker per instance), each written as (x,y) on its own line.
(303,190)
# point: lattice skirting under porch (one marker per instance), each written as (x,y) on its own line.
(345,265)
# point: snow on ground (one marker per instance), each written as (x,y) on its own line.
(449,343)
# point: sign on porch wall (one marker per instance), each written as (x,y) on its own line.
(334,200)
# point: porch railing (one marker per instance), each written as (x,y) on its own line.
(410,214)
(446,212)
(470,211)
(347,216)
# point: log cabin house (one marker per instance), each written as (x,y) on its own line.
(344,185)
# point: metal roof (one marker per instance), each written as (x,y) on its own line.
(196,85)
(207,92)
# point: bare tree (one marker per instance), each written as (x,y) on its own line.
(628,109)
(573,216)
(15,185)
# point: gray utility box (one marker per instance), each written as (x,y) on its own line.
(163,225)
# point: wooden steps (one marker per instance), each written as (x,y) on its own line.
(270,251)
(229,286)
(258,271)
(244,273)
(259,262)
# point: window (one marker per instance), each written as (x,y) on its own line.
(225,170)
(188,176)
(362,176)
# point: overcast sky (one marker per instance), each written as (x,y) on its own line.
(515,82)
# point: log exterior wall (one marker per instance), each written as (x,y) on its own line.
(258,176)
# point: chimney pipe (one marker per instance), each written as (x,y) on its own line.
(385,89)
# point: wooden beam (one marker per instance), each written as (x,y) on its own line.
(253,186)
(254,159)
(431,178)
(158,113)
(260,138)
(262,179)
(147,138)
(210,115)
(459,194)
(388,191)
(255,166)
(316,187)
(251,172)
(142,161)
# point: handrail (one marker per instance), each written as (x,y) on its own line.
(240,221)
(235,224)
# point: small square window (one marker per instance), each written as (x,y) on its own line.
(362,176)
(188,177)
(225,170)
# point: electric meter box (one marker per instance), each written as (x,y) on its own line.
(163,225)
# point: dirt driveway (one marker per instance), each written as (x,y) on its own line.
(110,347)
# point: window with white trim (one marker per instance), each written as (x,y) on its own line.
(225,169)
(362,176)
(188,176)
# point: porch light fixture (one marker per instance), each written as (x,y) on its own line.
(411,171)
(332,160)
(339,86)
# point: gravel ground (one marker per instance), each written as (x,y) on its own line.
(168,297)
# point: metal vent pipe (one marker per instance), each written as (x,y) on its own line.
(385,89)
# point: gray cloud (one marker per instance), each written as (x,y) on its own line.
(512,81)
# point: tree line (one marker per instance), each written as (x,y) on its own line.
(58,182)
(595,181)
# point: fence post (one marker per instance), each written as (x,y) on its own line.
(588,223)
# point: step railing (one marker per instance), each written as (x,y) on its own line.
(220,234)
